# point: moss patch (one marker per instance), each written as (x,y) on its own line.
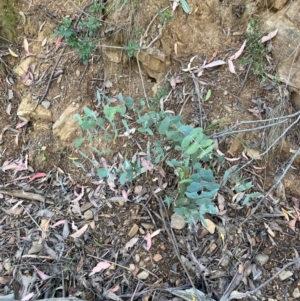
(9,19)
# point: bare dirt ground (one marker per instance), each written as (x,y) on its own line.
(46,199)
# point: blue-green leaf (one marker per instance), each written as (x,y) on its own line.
(186,141)
(122,178)
(185,7)
(192,149)
(194,187)
(78,142)
(129,102)
(102,172)
(243,187)
(251,196)
(163,126)
(90,113)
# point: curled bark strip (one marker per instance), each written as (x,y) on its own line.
(5,129)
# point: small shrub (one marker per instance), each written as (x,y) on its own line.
(131,48)
(166,16)
(83,38)
(183,148)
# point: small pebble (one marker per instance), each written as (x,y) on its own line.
(177,221)
(46,104)
(262,258)
(225,261)
(143,275)
(296,293)
(77,72)
(225,93)
(147,226)
(134,230)
(157,257)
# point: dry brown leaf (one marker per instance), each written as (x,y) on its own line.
(80,264)
(133,231)
(112,296)
(269,230)
(37,246)
(253,153)
(235,145)
(221,202)
(212,248)
(5,279)
(103,265)
(156,232)
(79,232)
(210,226)
(131,243)
(237,197)
(115,288)
(50,252)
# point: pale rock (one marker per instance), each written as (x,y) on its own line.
(88,215)
(177,221)
(296,293)
(278,4)
(46,104)
(66,125)
(225,261)
(147,226)
(114,55)
(92,225)
(26,107)
(262,258)
(23,66)
(153,61)
(41,114)
(143,275)
(285,275)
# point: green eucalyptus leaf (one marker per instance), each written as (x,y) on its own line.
(208,95)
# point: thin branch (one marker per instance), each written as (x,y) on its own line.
(270,146)
(274,186)
(254,291)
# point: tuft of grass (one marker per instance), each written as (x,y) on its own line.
(9,19)
(255,49)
